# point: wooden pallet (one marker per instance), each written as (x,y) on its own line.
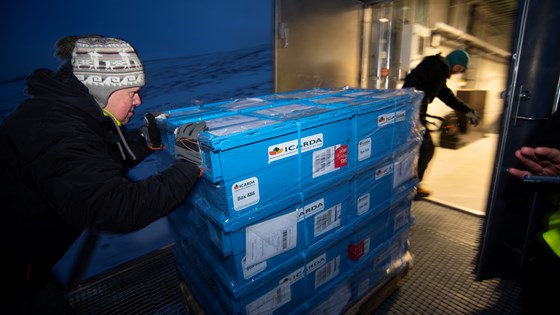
(371,301)
(190,302)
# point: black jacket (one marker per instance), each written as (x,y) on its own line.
(62,171)
(430,76)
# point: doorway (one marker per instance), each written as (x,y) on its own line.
(316,47)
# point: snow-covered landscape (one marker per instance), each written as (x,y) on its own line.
(185,81)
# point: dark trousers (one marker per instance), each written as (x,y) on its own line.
(425,155)
(541,277)
(49,300)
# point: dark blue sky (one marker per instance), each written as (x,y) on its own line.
(157,28)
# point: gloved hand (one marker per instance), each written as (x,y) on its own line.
(473,118)
(151,133)
(186,142)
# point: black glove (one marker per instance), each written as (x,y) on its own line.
(473,117)
(186,142)
(150,132)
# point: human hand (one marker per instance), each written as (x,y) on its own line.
(538,161)
(151,133)
(473,118)
(186,142)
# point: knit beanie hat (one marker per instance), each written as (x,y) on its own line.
(105,65)
(458,57)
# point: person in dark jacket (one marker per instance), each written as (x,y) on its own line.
(65,153)
(430,76)
(540,155)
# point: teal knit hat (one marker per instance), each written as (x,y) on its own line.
(458,57)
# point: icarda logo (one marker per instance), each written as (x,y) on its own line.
(289,148)
(275,151)
(241,185)
(385,119)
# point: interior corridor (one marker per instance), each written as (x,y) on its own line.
(460,178)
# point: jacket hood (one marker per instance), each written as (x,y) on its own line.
(62,85)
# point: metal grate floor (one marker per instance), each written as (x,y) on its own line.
(444,244)
(148,286)
(443,241)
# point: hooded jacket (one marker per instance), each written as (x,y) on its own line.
(62,171)
(430,76)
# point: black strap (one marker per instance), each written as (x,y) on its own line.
(432,126)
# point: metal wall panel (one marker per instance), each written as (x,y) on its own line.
(304,56)
(515,210)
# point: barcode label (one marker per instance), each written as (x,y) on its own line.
(322,160)
(327,220)
(327,272)
(272,300)
(270,238)
(329,159)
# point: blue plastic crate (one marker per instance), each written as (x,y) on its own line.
(326,263)
(271,238)
(333,299)
(273,293)
(199,279)
(297,284)
(400,217)
(169,120)
(369,234)
(280,290)
(308,93)
(244,103)
(319,217)
(376,268)
(258,174)
(325,212)
(321,211)
(372,190)
(405,160)
(383,120)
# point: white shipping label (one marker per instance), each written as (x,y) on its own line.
(245,193)
(383,171)
(327,220)
(222,122)
(401,219)
(270,238)
(271,300)
(294,276)
(366,245)
(385,119)
(363,287)
(401,115)
(335,303)
(311,209)
(404,169)
(252,270)
(363,204)
(286,149)
(329,159)
(364,149)
(327,272)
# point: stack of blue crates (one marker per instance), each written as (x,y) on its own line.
(305,199)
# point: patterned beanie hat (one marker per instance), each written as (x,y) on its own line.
(105,65)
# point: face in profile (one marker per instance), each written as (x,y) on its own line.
(122,103)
